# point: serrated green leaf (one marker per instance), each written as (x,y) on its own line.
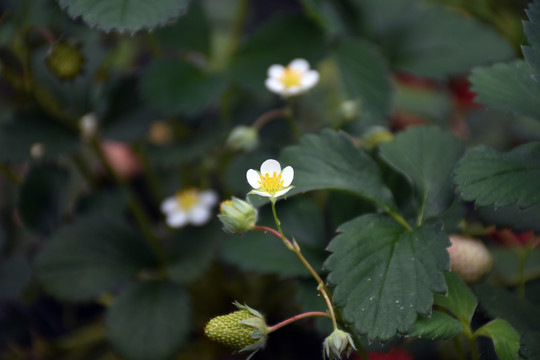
(384,274)
(42,196)
(263,252)
(498,302)
(509,87)
(421,33)
(24,130)
(174,86)
(500,179)
(125,15)
(91,256)
(366,77)
(191,252)
(150,320)
(297,37)
(512,216)
(460,300)
(426,156)
(438,326)
(505,338)
(330,160)
(530,346)
(532,31)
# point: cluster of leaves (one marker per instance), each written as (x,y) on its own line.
(85,232)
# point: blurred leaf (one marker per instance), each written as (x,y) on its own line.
(91,256)
(430,104)
(426,156)
(509,87)
(15,275)
(330,160)
(415,36)
(42,197)
(438,326)
(519,312)
(505,338)
(325,14)
(23,130)
(500,179)
(530,345)
(263,252)
(191,252)
(384,274)
(125,15)
(460,300)
(189,33)
(125,117)
(150,320)
(278,41)
(174,86)
(506,263)
(366,76)
(532,31)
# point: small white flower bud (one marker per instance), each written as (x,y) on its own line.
(237,216)
(243,138)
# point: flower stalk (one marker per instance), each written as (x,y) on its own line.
(295,318)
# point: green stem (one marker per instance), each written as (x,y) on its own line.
(237,27)
(135,205)
(399,219)
(523,256)
(291,120)
(459,348)
(421,210)
(269,116)
(472,343)
(10,174)
(295,318)
(85,171)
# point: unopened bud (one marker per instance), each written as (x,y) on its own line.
(65,60)
(237,216)
(88,125)
(37,150)
(349,109)
(469,258)
(243,138)
(376,135)
(337,344)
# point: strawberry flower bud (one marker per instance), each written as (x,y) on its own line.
(243,138)
(237,216)
(337,344)
(243,330)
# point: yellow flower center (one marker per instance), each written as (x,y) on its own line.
(291,77)
(271,184)
(187,198)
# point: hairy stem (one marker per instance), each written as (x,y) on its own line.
(296,317)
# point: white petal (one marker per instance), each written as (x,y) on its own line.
(283,191)
(208,198)
(177,219)
(253,178)
(199,215)
(287,175)
(261,193)
(294,90)
(309,79)
(274,85)
(169,204)
(275,71)
(270,166)
(300,65)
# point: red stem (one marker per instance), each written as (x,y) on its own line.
(296,317)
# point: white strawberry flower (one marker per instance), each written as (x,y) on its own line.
(293,79)
(271,181)
(189,206)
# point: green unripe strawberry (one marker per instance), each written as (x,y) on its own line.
(242,330)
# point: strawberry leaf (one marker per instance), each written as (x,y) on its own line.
(532,31)
(426,156)
(505,338)
(439,326)
(385,275)
(500,179)
(125,15)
